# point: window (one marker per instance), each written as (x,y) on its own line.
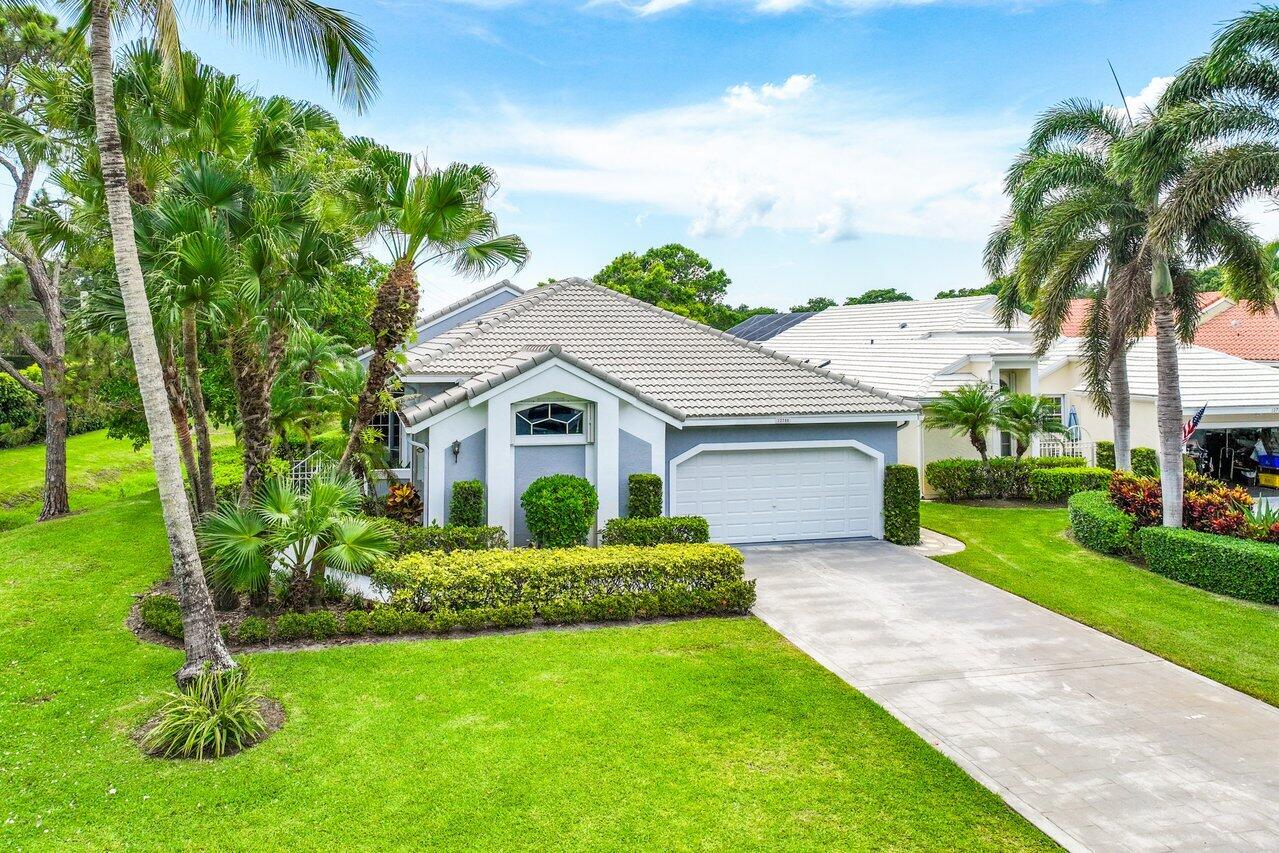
(1055,406)
(550,419)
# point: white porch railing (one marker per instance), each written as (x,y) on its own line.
(304,470)
(1049,447)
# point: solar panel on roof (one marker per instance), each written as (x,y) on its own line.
(761,327)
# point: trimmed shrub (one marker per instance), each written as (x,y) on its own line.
(254,629)
(1057,461)
(321,625)
(643,496)
(290,626)
(404,504)
(161,613)
(515,616)
(901,504)
(385,621)
(412,539)
(656,531)
(1099,525)
(466,504)
(1145,462)
(1221,564)
(556,582)
(956,479)
(1106,454)
(560,510)
(355,622)
(1055,485)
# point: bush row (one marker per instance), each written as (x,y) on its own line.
(465,580)
(413,538)
(1099,525)
(1004,477)
(1145,460)
(901,504)
(657,530)
(1222,564)
(1055,485)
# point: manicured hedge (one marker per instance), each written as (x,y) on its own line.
(901,504)
(412,538)
(1006,477)
(466,504)
(1221,564)
(571,584)
(656,531)
(1106,454)
(1055,485)
(1099,525)
(643,496)
(161,613)
(560,510)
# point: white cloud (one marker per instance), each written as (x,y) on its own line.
(1145,100)
(655,7)
(799,157)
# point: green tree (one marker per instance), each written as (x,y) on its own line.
(1026,417)
(678,279)
(960,292)
(345,308)
(817,303)
(970,411)
(879,296)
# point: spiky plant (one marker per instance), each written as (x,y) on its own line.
(1027,417)
(212,714)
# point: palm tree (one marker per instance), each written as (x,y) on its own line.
(305,531)
(299,28)
(970,411)
(422,215)
(1072,220)
(1026,417)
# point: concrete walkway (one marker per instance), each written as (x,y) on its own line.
(1100,744)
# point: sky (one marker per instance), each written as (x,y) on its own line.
(808,147)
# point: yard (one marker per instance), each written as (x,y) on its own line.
(712,733)
(1027,552)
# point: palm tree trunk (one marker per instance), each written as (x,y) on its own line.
(253,398)
(195,387)
(1168,406)
(393,315)
(181,422)
(1121,411)
(203,644)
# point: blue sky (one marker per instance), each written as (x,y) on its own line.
(810,147)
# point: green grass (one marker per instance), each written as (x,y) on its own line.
(1027,552)
(696,734)
(100,471)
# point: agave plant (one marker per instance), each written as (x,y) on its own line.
(299,532)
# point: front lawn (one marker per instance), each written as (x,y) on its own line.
(1027,552)
(713,733)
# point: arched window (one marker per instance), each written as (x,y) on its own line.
(551,419)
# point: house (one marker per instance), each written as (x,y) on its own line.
(916,350)
(578,379)
(1224,326)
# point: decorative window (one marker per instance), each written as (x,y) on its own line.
(552,421)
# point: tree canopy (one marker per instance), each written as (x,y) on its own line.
(878,296)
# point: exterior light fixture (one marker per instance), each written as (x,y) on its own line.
(457,449)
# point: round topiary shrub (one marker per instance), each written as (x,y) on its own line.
(560,510)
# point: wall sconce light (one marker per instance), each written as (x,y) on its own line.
(457,449)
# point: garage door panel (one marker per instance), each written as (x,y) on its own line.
(778,493)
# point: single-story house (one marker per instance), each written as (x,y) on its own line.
(578,379)
(915,350)
(1224,326)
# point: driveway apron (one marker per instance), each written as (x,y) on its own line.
(1100,744)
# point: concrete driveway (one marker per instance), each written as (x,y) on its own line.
(1100,744)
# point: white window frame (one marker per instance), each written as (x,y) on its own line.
(588,422)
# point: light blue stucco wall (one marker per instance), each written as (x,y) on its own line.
(634,456)
(484,306)
(469,465)
(880,435)
(533,461)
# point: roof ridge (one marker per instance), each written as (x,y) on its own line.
(751,345)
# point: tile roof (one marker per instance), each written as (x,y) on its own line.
(1207,376)
(429,310)
(1073,326)
(690,368)
(1242,333)
(967,315)
(761,327)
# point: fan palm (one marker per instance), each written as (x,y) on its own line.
(302,29)
(1027,417)
(970,411)
(304,531)
(422,215)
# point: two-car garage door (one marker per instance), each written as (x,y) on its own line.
(777,493)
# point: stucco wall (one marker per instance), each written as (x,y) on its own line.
(882,436)
(634,456)
(533,461)
(469,465)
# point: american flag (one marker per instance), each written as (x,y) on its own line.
(1192,424)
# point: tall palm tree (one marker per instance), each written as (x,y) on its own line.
(1073,228)
(970,411)
(422,215)
(300,28)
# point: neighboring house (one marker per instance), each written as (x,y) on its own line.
(578,379)
(1224,326)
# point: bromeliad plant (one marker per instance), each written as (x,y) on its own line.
(302,533)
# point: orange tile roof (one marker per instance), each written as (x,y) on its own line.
(1233,330)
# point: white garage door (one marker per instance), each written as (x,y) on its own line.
(777,493)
